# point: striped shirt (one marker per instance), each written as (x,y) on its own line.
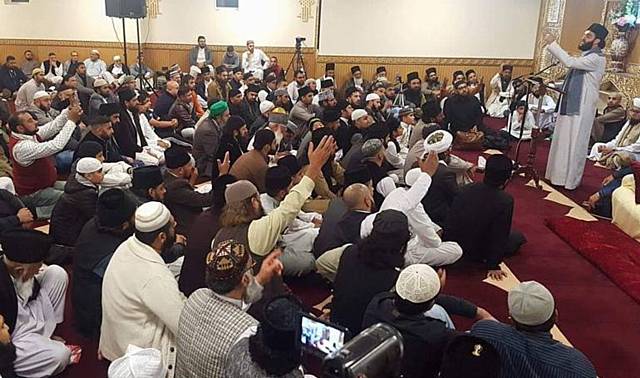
(529,354)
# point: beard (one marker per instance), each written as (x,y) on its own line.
(253,293)
(585,46)
(24,289)
(169,242)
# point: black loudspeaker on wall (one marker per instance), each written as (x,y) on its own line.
(126,8)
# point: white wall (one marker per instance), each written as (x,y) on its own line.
(267,22)
(61,20)
(430,28)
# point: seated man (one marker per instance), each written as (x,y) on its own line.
(13,213)
(214,318)
(32,303)
(78,203)
(163,106)
(501,92)
(24,96)
(182,110)
(626,142)
(32,149)
(129,133)
(527,348)
(179,180)
(141,302)
(373,159)
(538,98)
(480,218)
(206,140)
(515,126)
(11,77)
(98,240)
(148,184)
(253,165)
(462,111)
(101,132)
(346,231)
(425,246)
(426,327)
(102,95)
(300,233)
(608,124)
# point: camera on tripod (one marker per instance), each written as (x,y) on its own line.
(299,41)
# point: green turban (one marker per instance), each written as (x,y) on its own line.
(215,110)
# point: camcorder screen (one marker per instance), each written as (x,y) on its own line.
(321,338)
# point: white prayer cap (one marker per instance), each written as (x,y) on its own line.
(116,57)
(357,114)
(438,141)
(88,165)
(100,83)
(530,303)
(7,184)
(418,283)
(371,97)
(138,363)
(265,106)
(412,176)
(94,51)
(636,102)
(151,216)
(194,71)
(40,94)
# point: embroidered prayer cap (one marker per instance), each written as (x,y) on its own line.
(176,157)
(109,109)
(292,127)
(438,141)
(227,261)
(281,92)
(218,108)
(95,51)
(381,69)
(412,176)
(279,116)
(25,246)
(357,114)
(329,67)
(506,66)
(418,283)
(266,105)
(459,83)
(430,70)
(636,102)
(127,79)
(100,83)
(138,363)
(40,94)
(412,76)
(36,71)
(371,147)
(372,97)
(147,177)
(88,165)
(355,69)
(357,175)
(405,111)
(194,71)
(240,191)
(530,303)
(114,208)
(310,81)
(303,91)
(152,216)
(326,95)
(470,357)
(599,30)
(326,83)
(280,325)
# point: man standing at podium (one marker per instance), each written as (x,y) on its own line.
(577,106)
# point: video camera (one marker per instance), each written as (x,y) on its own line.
(299,41)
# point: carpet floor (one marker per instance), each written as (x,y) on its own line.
(597,316)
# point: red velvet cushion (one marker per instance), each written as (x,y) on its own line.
(636,175)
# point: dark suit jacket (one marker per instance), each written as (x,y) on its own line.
(335,211)
(183,201)
(443,190)
(8,299)
(206,142)
(125,133)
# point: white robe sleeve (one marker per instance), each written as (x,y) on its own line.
(591,62)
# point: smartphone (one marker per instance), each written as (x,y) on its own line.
(321,338)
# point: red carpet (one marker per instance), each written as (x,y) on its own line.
(607,247)
(596,315)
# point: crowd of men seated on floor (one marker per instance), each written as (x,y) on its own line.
(179,223)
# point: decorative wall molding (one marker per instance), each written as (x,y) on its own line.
(551,21)
(153,8)
(307,10)
(422,61)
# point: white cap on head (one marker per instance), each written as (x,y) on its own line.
(94,51)
(152,216)
(636,102)
(266,105)
(371,97)
(194,71)
(40,94)
(100,83)
(138,363)
(88,165)
(357,114)
(418,283)
(530,303)
(438,141)
(412,176)
(117,57)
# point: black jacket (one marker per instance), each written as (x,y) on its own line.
(11,79)
(229,144)
(462,113)
(346,230)
(76,206)
(126,134)
(443,190)
(9,206)
(480,221)
(92,254)
(335,211)
(250,111)
(110,148)
(184,202)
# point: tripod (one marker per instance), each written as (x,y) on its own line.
(297,61)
